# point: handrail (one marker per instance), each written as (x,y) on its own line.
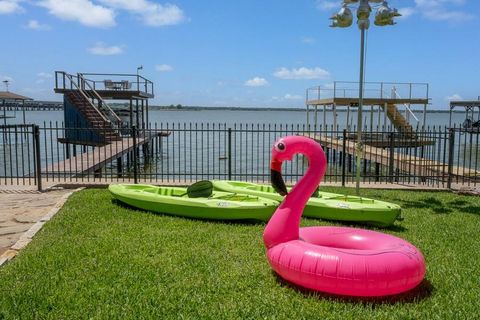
(141,82)
(70,77)
(99,98)
(344,89)
(394,90)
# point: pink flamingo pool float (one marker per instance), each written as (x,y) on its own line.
(336,260)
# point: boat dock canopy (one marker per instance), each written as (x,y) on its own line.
(387,104)
(10,96)
(472,115)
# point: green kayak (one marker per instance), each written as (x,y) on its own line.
(175,201)
(325,205)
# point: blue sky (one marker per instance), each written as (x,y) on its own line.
(237,53)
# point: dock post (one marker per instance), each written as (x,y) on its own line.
(308,112)
(98,173)
(391,159)
(38,166)
(146,152)
(119,166)
(344,150)
(135,154)
(451,148)
(67,150)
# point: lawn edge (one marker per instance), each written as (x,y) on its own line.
(28,235)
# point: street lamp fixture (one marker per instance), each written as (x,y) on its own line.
(344,19)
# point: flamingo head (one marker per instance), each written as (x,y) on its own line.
(284,149)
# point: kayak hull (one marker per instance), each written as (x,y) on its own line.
(327,206)
(174,201)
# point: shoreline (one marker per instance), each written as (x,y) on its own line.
(258,109)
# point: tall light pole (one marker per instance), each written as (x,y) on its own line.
(344,19)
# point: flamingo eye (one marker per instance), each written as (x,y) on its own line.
(281,146)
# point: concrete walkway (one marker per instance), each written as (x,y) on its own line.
(22,215)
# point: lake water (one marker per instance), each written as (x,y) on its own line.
(188,154)
(255,117)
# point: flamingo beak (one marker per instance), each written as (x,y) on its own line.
(276,177)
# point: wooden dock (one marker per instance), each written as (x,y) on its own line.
(99,157)
(417,166)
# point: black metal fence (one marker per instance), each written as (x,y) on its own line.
(20,155)
(181,153)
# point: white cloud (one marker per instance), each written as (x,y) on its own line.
(438,10)
(454,97)
(152,13)
(35,25)
(325,5)
(308,40)
(10,6)
(289,96)
(301,73)
(163,68)
(102,49)
(83,11)
(44,75)
(256,82)
(406,12)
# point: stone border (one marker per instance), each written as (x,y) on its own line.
(27,237)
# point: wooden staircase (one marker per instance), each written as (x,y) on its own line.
(399,121)
(94,116)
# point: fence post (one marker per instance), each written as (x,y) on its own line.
(229,153)
(451,148)
(135,154)
(38,165)
(344,151)
(391,156)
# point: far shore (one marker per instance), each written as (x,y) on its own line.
(179,107)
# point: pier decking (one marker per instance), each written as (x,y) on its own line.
(408,163)
(99,157)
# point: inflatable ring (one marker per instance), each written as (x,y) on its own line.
(343,261)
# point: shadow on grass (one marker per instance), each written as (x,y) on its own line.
(423,291)
(438,206)
(247,222)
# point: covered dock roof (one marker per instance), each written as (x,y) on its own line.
(6,95)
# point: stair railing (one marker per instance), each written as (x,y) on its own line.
(79,89)
(102,105)
(395,95)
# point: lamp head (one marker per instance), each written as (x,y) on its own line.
(385,15)
(342,19)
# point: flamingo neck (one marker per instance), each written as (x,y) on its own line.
(285,222)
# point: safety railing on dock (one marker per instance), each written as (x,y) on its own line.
(116,82)
(182,153)
(373,90)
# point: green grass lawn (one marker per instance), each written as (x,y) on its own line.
(97,259)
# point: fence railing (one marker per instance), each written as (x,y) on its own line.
(20,155)
(181,153)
